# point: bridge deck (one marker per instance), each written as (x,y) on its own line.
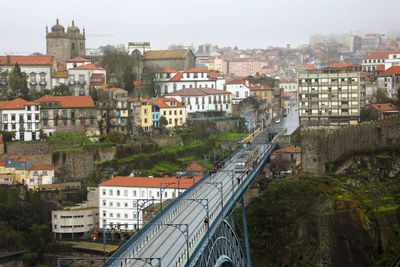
(164,238)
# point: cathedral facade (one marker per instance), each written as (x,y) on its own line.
(65,45)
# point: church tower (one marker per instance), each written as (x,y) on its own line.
(65,45)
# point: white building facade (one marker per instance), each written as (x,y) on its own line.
(80,78)
(122,198)
(203,99)
(239,90)
(38,175)
(170,80)
(22,118)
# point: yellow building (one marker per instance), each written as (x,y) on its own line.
(15,169)
(172,110)
(215,64)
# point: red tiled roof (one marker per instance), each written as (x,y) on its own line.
(87,67)
(60,66)
(24,159)
(239,80)
(378,55)
(69,101)
(380,67)
(308,66)
(97,74)
(392,70)
(339,65)
(196,70)
(385,107)
(96,83)
(177,77)
(40,167)
(149,182)
(27,60)
(17,103)
(161,102)
(168,71)
(78,59)
(2,163)
(197,92)
(12,157)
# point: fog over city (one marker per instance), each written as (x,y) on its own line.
(246,24)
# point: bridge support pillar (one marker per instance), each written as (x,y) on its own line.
(245,233)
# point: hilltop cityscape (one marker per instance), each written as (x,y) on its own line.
(125,155)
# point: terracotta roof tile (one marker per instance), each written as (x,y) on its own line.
(380,68)
(161,102)
(162,54)
(177,77)
(24,159)
(149,182)
(196,70)
(2,163)
(385,107)
(69,101)
(340,65)
(27,60)
(378,55)
(12,157)
(40,167)
(17,103)
(78,59)
(87,67)
(392,70)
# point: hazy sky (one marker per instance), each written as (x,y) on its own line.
(245,23)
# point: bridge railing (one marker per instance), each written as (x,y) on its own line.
(231,203)
(157,220)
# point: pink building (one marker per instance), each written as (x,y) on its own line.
(245,66)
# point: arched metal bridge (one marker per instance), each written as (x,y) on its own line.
(194,230)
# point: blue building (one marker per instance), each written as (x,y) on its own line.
(155,111)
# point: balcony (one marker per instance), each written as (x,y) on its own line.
(82,82)
(32,83)
(345,114)
(344,106)
(71,82)
(43,82)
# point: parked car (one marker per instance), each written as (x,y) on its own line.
(277,121)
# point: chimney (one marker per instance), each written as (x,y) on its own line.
(8,59)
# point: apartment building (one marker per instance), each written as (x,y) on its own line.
(172,110)
(330,97)
(22,118)
(373,61)
(122,199)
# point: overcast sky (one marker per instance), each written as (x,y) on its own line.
(244,23)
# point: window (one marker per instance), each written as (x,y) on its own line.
(81,78)
(125,193)
(111,215)
(36,117)
(170,112)
(12,117)
(118,192)
(180,112)
(145,111)
(118,204)
(165,113)
(110,204)
(126,204)
(104,203)
(110,192)
(134,193)
(5,117)
(21,118)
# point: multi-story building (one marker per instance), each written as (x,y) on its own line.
(114,110)
(82,77)
(203,99)
(288,85)
(121,198)
(239,89)
(245,66)
(75,221)
(40,174)
(17,169)
(172,110)
(38,68)
(373,61)
(141,110)
(68,114)
(389,80)
(22,118)
(170,80)
(330,97)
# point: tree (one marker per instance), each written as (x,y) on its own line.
(379,96)
(17,85)
(61,90)
(365,114)
(163,123)
(8,136)
(115,137)
(94,93)
(128,79)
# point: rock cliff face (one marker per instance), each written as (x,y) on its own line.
(346,219)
